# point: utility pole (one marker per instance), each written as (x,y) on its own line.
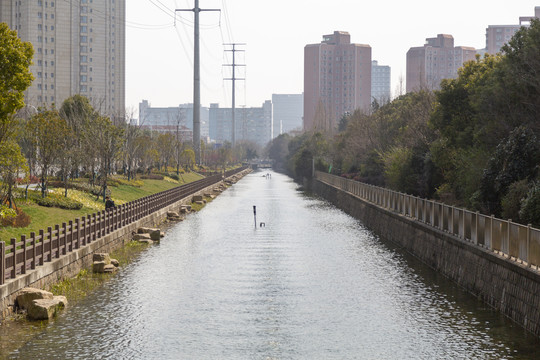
(234,50)
(197,82)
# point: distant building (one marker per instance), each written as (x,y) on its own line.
(252,124)
(288,111)
(498,35)
(438,59)
(79,48)
(380,82)
(337,80)
(165,117)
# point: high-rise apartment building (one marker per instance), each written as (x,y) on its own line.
(79,48)
(438,59)
(337,80)
(380,83)
(498,35)
(288,110)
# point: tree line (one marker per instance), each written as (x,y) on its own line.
(75,140)
(473,143)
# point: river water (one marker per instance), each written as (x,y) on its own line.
(313,283)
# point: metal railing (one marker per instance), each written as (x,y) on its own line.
(31,251)
(514,241)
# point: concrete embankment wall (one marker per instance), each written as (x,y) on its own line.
(72,263)
(509,287)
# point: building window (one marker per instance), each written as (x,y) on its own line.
(84,58)
(84,19)
(83,78)
(83,88)
(84,29)
(84,39)
(52,75)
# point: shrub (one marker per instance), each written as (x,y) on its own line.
(20,220)
(511,202)
(53,200)
(134,183)
(152,177)
(530,208)
(174,177)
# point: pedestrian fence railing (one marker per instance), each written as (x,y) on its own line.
(19,256)
(520,243)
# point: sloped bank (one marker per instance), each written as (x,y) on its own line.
(70,264)
(509,287)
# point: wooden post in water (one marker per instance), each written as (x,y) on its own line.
(255,215)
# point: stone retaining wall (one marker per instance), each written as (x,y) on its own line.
(509,287)
(72,263)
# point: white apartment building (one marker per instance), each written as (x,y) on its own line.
(79,48)
(288,111)
(380,83)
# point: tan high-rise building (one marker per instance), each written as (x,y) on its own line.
(79,48)
(438,59)
(498,35)
(337,80)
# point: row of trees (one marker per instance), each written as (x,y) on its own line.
(75,140)
(473,143)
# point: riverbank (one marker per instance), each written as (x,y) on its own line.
(16,330)
(122,191)
(63,254)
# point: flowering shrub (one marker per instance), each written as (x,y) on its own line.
(6,213)
(87,200)
(58,200)
(170,179)
(134,183)
(14,217)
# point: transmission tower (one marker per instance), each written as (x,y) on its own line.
(234,50)
(197,82)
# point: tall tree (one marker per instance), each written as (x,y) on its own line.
(15,77)
(47,129)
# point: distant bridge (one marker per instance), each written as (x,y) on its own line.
(260,164)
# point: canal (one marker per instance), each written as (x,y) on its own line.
(311,283)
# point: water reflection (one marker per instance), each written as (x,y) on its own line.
(312,284)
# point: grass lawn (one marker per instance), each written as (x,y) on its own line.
(42,217)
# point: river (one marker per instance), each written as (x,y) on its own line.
(310,283)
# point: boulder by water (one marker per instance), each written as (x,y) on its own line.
(45,309)
(40,304)
(26,296)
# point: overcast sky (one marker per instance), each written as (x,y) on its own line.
(159,54)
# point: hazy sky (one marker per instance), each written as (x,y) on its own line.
(159,54)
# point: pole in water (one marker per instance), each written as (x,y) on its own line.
(255,215)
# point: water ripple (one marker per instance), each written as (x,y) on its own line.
(312,284)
